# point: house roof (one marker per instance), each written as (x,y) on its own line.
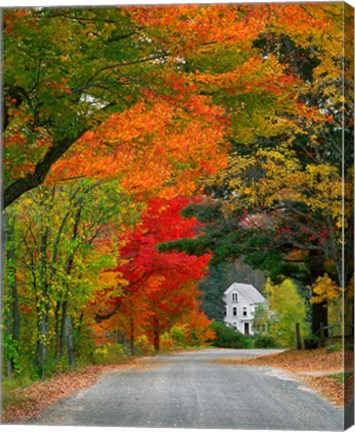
(248,291)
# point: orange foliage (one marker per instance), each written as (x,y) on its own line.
(184,28)
(179,146)
(198,324)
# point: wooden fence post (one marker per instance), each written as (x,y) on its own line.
(322,335)
(298,336)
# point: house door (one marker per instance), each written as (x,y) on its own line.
(246,328)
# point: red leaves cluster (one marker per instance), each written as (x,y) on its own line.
(161,286)
(162,222)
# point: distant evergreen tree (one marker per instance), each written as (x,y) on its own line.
(212,289)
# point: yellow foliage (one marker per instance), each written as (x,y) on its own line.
(109,279)
(324,289)
(287,308)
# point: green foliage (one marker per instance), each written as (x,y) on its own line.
(212,289)
(336,347)
(227,337)
(10,350)
(287,308)
(167,342)
(143,346)
(9,390)
(341,377)
(196,247)
(179,335)
(265,341)
(109,354)
(261,320)
(66,70)
(204,212)
(57,241)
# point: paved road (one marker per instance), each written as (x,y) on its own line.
(191,390)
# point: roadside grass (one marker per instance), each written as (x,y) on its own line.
(11,391)
(341,377)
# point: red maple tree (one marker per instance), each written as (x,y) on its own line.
(161,286)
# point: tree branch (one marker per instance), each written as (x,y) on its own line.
(31,181)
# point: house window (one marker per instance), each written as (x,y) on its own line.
(235,326)
(245,311)
(235,311)
(234,297)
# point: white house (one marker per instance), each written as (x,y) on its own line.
(241,301)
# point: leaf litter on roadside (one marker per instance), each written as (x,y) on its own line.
(34,399)
(321,370)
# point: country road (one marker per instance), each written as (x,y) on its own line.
(193,390)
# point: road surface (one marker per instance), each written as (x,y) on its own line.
(193,390)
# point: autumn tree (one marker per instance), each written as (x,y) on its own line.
(286,307)
(65,71)
(68,70)
(161,287)
(279,201)
(11,297)
(147,103)
(55,239)
(181,148)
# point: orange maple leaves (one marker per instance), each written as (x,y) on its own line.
(153,147)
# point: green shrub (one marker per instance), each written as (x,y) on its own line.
(227,337)
(109,354)
(336,347)
(180,335)
(265,341)
(166,342)
(143,346)
(10,390)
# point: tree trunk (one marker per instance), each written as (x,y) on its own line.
(156,336)
(13,321)
(41,348)
(122,339)
(319,316)
(57,330)
(70,341)
(62,337)
(43,310)
(132,335)
(298,336)
(38,175)
(79,326)
(66,328)
(319,310)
